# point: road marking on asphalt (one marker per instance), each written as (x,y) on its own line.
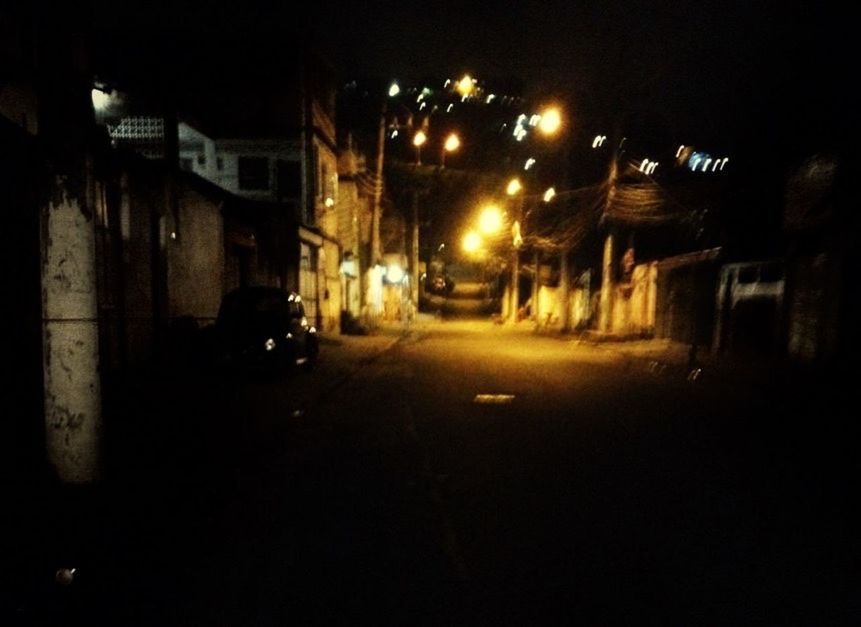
(493,399)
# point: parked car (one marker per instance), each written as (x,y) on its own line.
(441,285)
(264,328)
(437,285)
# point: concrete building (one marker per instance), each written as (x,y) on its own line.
(821,225)
(355,210)
(289,169)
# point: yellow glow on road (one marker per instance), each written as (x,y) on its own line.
(419,138)
(452,143)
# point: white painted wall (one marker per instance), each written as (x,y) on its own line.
(193,143)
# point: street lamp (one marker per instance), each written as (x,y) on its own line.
(452,143)
(490,220)
(514,188)
(465,86)
(551,121)
(472,242)
(418,140)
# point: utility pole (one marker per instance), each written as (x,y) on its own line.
(376,253)
(517,240)
(536,259)
(605,311)
(371,294)
(414,253)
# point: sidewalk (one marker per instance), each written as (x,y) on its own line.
(674,359)
(341,355)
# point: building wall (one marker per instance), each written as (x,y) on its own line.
(317,259)
(550,309)
(155,264)
(140,230)
(331,298)
(634,304)
(195,258)
(230,151)
(814,306)
(749,307)
(685,308)
(326,188)
(203,155)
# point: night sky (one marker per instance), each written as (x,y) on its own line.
(701,68)
(705,71)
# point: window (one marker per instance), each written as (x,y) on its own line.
(253,173)
(219,163)
(185,164)
(749,274)
(289,179)
(201,159)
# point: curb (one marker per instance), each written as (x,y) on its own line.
(659,367)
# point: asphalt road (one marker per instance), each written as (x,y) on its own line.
(580,488)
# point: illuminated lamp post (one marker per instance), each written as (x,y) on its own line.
(515,189)
(418,141)
(452,143)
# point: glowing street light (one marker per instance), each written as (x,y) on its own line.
(465,86)
(418,140)
(513,187)
(471,242)
(394,90)
(549,194)
(490,220)
(394,273)
(551,121)
(101,99)
(452,143)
